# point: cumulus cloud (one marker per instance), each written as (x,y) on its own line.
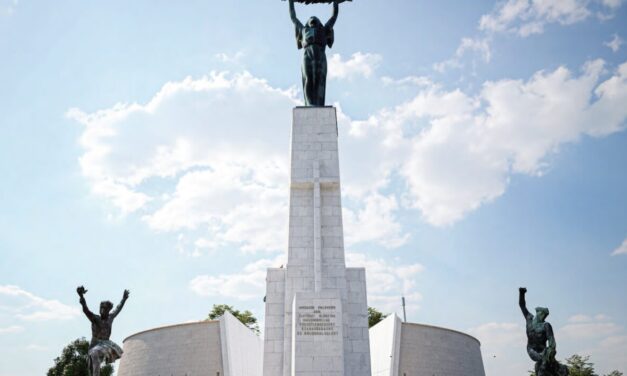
(387,282)
(526,17)
(621,250)
(235,58)
(598,336)
(477,46)
(207,159)
(359,65)
(197,156)
(197,160)
(586,327)
(615,43)
(30,307)
(249,284)
(374,222)
(462,150)
(407,81)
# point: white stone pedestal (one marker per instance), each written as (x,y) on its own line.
(316,309)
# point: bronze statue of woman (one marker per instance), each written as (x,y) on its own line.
(314,37)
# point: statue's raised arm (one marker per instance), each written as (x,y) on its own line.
(293,16)
(523,304)
(119,307)
(81,291)
(336,10)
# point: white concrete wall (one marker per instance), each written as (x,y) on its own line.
(181,350)
(356,336)
(274,326)
(242,349)
(385,345)
(427,351)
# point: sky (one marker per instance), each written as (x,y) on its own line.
(144,145)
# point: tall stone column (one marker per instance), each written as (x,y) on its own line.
(316,309)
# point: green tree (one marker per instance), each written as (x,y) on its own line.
(73,361)
(374,317)
(580,366)
(615,373)
(245,317)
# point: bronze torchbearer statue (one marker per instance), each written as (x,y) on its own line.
(539,332)
(101,348)
(314,37)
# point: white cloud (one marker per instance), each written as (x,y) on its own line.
(407,81)
(199,161)
(527,17)
(462,150)
(198,157)
(388,282)
(360,64)
(374,222)
(11,329)
(598,336)
(503,348)
(235,58)
(621,250)
(585,327)
(249,284)
(480,46)
(615,43)
(30,307)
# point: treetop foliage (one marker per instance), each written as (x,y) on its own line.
(73,361)
(246,317)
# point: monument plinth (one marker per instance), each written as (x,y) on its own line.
(316,309)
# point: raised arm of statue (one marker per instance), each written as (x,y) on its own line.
(81,292)
(295,20)
(336,11)
(117,309)
(523,305)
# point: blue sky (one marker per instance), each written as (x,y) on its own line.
(144,145)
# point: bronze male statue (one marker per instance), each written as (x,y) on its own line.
(314,37)
(539,332)
(101,348)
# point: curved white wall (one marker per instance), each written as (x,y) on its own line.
(432,351)
(181,350)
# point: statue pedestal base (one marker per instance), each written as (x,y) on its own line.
(316,310)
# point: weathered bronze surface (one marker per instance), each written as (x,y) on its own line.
(101,348)
(541,345)
(314,37)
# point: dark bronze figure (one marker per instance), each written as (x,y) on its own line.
(101,348)
(314,37)
(539,332)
